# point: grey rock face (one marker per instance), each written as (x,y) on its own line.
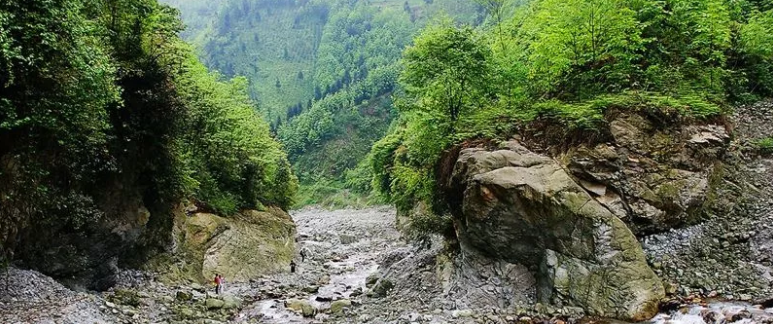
(651,177)
(728,253)
(523,208)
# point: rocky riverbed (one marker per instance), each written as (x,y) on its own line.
(352,267)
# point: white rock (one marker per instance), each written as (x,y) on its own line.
(461,313)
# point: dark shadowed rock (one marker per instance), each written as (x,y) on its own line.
(183,296)
(382,287)
(371,280)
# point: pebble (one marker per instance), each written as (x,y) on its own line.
(461,313)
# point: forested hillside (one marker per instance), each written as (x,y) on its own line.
(104,111)
(196,15)
(558,70)
(323,71)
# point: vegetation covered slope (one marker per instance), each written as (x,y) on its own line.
(100,104)
(567,63)
(322,70)
(195,14)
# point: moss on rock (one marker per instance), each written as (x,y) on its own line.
(337,307)
(524,208)
(240,248)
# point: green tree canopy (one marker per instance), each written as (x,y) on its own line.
(447,71)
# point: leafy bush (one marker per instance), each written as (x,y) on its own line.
(589,114)
(431,223)
(766,145)
(756,51)
(360,178)
(230,151)
(382,161)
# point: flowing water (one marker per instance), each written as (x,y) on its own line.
(716,312)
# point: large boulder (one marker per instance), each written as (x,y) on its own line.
(213,303)
(302,307)
(524,208)
(337,307)
(239,248)
(232,302)
(382,287)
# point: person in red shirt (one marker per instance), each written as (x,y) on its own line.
(218,283)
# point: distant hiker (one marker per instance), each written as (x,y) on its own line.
(303,254)
(218,283)
(292,266)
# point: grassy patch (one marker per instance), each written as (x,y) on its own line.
(765,145)
(333,195)
(589,114)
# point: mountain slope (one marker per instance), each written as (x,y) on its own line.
(322,70)
(289,49)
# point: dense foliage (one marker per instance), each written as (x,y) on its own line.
(568,61)
(101,102)
(323,72)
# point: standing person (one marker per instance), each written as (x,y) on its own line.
(292,266)
(303,254)
(218,283)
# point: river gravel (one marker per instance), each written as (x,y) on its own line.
(342,249)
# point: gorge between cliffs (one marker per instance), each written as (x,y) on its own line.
(575,234)
(386,161)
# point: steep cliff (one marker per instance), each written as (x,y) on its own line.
(123,232)
(611,220)
(651,175)
(726,251)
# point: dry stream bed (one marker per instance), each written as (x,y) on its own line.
(335,283)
